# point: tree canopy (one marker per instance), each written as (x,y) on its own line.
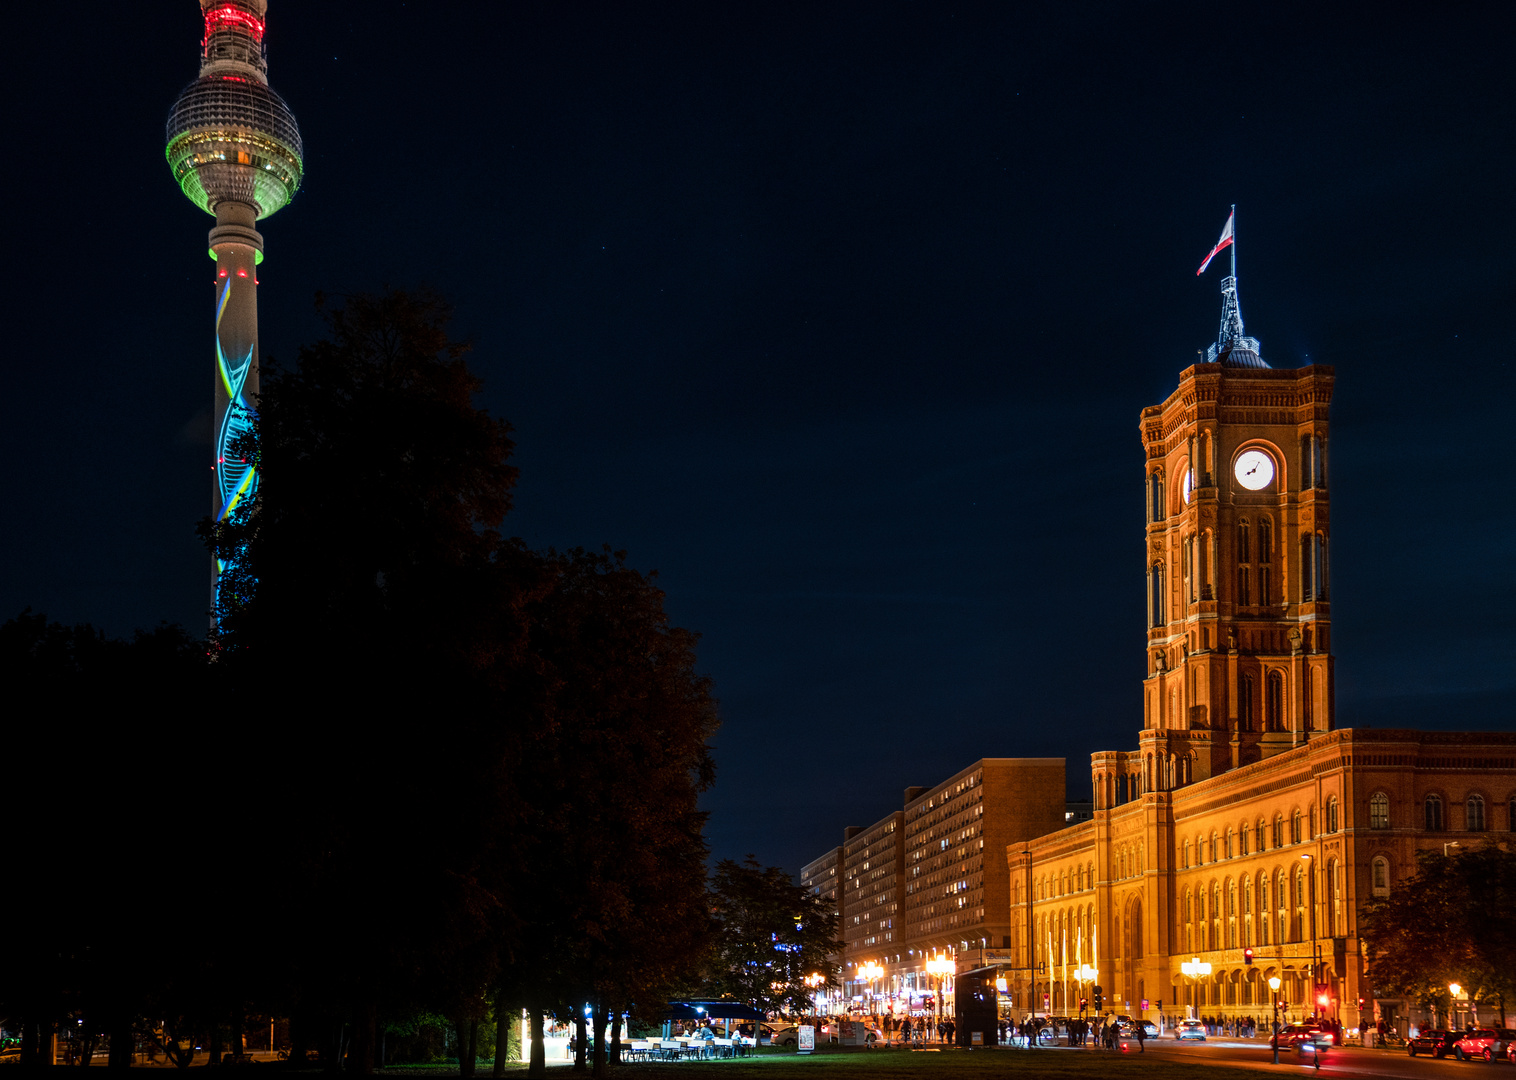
(1447,924)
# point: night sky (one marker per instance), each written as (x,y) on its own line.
(839,316)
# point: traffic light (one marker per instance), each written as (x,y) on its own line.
(1083,1004)
(1098,1000)
(1247,957)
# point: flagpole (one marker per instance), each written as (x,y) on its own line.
(1234,241)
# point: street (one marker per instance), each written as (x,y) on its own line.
(1344,1061)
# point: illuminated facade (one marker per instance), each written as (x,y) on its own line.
(1243,820)
(235,152)
(1243,825)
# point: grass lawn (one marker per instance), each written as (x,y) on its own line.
(896,1065)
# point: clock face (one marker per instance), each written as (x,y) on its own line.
(1255,470)
(1188,485)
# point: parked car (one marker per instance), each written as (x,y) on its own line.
(1190,1029)
(1129,1027)
(1491,1044)
(1434,1041)
(1295,1034)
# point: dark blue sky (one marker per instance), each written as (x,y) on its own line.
(840,316)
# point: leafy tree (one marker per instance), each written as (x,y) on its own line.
(620,907)
(772,934)
(369,588)
(1446,924)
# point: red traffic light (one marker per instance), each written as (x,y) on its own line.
(1247,956)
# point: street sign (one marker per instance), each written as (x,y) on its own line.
(1144,1004)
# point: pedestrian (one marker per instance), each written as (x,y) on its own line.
(1141,1035)
(905,1031)
(952,1029)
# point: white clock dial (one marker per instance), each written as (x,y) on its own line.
(1188,485)
(1255,470)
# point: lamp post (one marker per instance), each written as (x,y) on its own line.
(1454,989)
(1085,975)
(1274,1035)
(1195,969)
(870,971)
(815,981)
(1315,945)
(939,967)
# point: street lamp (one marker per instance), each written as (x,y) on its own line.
(870,971)
(940,967)
(1274,993)
(1085,975)
(1196,969)
(815,981)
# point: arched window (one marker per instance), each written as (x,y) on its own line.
(1434,813)
(1274,707)
(1231,915)
(1216,916)
(1189,923)
(1230,849)
(1295,836)
(1155,497)
(1262,831)
(1242,839)
(1263,909)
(1334,897)
(1331,821)
(1379,876)
(1301,923)
(1278,830)
(1245,703)
(1379,811)
(1307,575)
(1282,903)
(1157,600)
(1243,554)
(1473,813)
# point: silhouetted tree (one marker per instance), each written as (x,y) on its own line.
(772,934)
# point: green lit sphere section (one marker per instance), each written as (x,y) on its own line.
(234,139)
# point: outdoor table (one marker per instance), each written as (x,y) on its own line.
(723,1048)
(637,1050)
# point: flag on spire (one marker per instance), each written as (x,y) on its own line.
(1221,245)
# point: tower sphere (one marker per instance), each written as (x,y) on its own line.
(230,137)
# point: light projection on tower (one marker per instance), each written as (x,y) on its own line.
(235,476)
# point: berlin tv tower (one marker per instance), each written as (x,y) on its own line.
(235,152)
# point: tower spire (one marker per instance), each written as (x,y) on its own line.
(1233,348)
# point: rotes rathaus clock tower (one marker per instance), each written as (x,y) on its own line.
(1239,663)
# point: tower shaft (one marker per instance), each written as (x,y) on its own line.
(237,247)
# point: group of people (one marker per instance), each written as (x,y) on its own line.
(906,1031)
(1102,1032)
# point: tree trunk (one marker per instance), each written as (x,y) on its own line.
(468,1045)
(213,1046)
(239,1033)
(361,1060)
(616,1038)
(598,1062)
(123,1036)
(537,1066)
(580,1039)
(503,1024)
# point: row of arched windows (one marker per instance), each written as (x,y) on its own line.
(1475,817)
(1269,908)
(1260,837)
